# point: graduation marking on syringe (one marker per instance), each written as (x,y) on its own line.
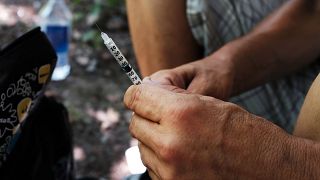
(122,61)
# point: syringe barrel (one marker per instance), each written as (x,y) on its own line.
(117,54)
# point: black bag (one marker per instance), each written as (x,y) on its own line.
(35,135)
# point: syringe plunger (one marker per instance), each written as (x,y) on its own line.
(115,51)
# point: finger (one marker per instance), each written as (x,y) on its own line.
(197,86)
(150,102)
(165,85)
(180,76)
(167,77)
(186,73)
(150,160)
(145,131)
(152,175)
(148,80)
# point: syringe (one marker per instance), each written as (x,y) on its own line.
(114,50)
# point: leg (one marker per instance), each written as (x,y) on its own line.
(161,35)
(308,125)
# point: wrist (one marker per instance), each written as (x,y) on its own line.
(233,57)
(252,59)
(300,160)
(222,61)
(274,154)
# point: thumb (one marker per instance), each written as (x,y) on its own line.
(166,86)
(180,76)
(198,86)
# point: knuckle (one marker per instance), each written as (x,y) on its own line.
(230,113)
(169,174)
(168,151)
(142,156)
(185,108)
(132,96)
(229,107)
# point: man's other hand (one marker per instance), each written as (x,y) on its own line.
(212,76)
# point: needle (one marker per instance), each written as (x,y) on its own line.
(98,27)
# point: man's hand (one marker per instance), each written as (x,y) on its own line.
(186,136)
(212,76)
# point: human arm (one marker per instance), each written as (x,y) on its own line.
(283,43)
(187,136)
(308,123)
(161,35)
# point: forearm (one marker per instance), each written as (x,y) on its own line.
(308,123)
(161,35)
(272,154)
(301,161)
(285,42)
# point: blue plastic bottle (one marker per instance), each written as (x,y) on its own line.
(56,23)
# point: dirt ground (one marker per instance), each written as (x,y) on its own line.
(92,93)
